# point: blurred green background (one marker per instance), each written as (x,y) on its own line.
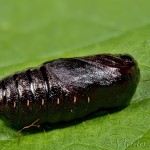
(32,32)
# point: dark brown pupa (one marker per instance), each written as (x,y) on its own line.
(68,88)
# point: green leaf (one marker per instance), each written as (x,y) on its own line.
(32,32)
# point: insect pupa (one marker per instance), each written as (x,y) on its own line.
(68,88)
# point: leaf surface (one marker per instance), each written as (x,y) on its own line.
(32,32)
